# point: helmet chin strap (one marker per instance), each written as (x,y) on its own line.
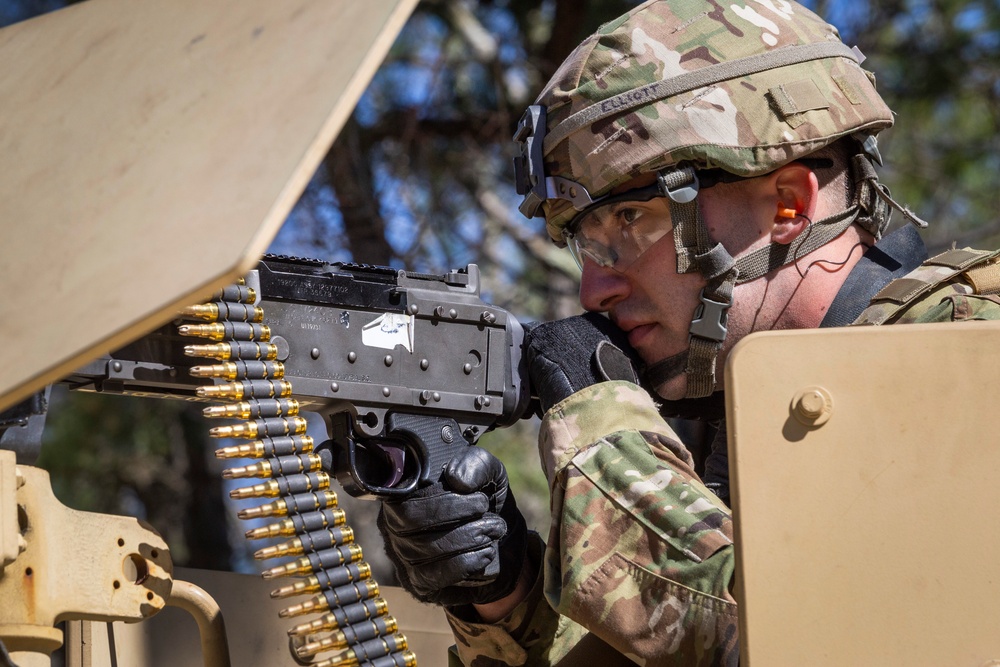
(655,378)
(696,252)
(657,375)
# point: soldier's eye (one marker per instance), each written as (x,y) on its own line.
(628,215)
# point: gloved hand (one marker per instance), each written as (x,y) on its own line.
(461,540)
(568,355)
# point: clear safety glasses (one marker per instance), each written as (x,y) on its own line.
(617,230)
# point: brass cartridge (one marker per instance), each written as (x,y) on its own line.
(247,389)
(303,502)
(227,330)
(354,613)
(299,524)
(241,370)
(258,449)
(313,481)
(273,467)
(352,553)
(315,541)
(333,598)
(254,409)
(237,293)
(350,658)
(341,639)
(234,350)
(261,427)
(222,310)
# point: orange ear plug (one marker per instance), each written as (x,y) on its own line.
(787,213)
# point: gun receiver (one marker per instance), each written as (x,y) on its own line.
(403,366)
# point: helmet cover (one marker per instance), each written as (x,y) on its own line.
(746,87)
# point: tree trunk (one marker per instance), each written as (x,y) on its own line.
(350,175)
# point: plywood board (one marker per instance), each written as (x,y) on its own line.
(870,539)
(149,151)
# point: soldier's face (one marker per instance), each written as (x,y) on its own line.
(649,300)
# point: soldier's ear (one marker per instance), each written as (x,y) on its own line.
(794,202)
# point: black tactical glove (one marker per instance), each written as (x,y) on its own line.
(568,355)
(461,540)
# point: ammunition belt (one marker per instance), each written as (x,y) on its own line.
(355,621)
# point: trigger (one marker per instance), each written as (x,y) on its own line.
(394,457)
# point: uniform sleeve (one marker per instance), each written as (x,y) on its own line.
(954,302)
(955,286)
(639,558)
(531,634)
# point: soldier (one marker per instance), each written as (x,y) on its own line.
(712,170)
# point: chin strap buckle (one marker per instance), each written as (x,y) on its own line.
(710,319)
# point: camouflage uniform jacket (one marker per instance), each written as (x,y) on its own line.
(639,560)
(954,286)
(639,557)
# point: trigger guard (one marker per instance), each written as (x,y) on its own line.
(351,476)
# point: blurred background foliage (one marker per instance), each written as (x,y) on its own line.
(420,178)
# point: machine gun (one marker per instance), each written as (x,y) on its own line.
(145,184)
(404,367)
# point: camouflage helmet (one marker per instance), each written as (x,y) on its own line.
(745,87)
